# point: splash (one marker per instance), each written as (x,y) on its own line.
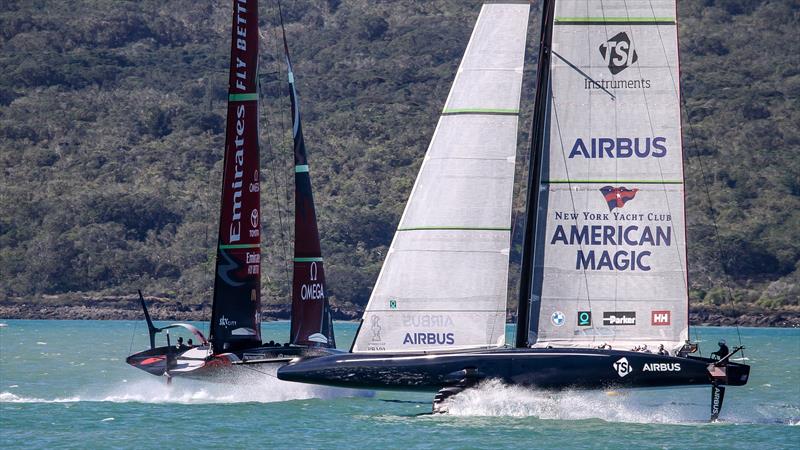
(493,398)
(253,389)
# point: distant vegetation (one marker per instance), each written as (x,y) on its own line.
(112,120)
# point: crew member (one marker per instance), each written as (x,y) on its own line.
(662,351)
(723,350)
(180,342)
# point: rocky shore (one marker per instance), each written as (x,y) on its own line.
(128,309)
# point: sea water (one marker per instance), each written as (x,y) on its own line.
(65,384)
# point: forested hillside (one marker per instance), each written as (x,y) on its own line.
(112,121)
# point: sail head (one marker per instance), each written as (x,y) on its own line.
(444,280)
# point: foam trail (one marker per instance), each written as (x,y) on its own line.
(245,389)
(493,398)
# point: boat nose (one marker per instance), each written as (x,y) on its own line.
(295,371)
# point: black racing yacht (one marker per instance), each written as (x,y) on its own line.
(603,293)
(235,343)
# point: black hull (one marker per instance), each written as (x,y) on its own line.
(196,363)
(543,368)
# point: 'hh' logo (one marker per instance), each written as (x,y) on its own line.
(660,318)
(616,197)
(618,53)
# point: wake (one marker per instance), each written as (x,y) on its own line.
(244,389)
(493,398)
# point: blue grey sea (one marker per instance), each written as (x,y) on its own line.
(65,384)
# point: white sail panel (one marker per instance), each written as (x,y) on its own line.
(443,283)
(610,265)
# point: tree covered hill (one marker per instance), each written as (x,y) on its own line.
(112,128)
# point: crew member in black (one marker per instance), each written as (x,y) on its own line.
(723,350)
(662,351)
(180,342)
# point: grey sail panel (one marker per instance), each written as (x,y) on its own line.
(444,281)
(611,259)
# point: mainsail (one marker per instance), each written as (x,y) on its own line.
(311,318)
(235,317)
(443,283)
(609,255)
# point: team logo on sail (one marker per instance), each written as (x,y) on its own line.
(660,318)
(616,197)
(618,53)
(584,318)
(623,367)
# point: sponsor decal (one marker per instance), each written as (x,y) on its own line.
(235,231)
(392,304)
(619,318)
(662,367)
(618,53)
(558,318)
(611,235)
(376,343)
(429,339)
(225,322)
(312,291)
(660,318)
(427,321)
(716,400)
(584,318)
(616,197)
(254,218)
(623,367)
(619,148)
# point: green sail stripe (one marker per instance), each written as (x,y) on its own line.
(479,111)
(231,246)
(614,21)
(243,97)
(455,228)
(301,168)
(610,181)
(310,259)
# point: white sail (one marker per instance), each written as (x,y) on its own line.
(443,283)
(610,260)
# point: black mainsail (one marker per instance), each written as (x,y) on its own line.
(236,310)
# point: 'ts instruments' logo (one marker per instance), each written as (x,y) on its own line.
(618,53)
(623,367)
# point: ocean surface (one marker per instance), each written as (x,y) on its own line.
(65,384)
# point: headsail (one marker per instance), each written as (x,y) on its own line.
(235,317)
(311,316)
(443,283)
(609,260)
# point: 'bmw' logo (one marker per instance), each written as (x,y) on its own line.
(558,318)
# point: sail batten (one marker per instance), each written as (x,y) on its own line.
(609,259)
(444,280)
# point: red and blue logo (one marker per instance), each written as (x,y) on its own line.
(616,197)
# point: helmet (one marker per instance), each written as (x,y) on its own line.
(722,342)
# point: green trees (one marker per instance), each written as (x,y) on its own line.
(112,120)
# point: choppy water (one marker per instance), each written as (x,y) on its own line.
(64,384)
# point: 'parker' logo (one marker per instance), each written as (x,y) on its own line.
(618,53)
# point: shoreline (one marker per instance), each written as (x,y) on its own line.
(705,316)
